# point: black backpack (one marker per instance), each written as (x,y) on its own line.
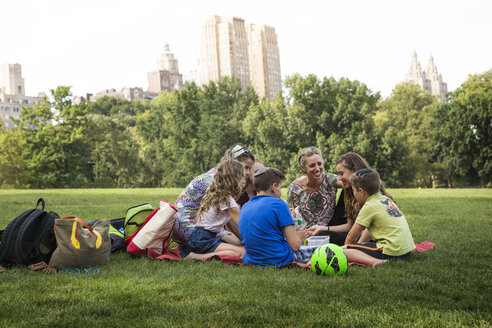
(29,238)
(116,227)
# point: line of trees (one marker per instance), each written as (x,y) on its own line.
(409,137)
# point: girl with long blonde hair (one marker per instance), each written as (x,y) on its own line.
(217,208)
(189,200)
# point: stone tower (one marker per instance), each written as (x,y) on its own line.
(167,62)
(429,80)
(167,76)
(13,95)
(12,81)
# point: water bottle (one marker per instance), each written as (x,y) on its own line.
(298,221)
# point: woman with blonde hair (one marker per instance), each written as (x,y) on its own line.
(218,207)
(314,195)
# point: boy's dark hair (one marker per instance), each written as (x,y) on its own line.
(367,180)
(265,177)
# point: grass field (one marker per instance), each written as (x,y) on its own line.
(449,286)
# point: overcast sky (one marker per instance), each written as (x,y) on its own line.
(100,44)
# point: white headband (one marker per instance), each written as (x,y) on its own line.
(239,150)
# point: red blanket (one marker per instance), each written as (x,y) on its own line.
(173,254)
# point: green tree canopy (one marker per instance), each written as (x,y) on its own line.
(56,150)
(333,115)
(403,124)
(410,138)
(463,130)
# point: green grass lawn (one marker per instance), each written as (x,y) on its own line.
(449,286)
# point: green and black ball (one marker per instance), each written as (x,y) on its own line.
(329,260)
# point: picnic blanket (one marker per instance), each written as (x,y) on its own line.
(173,254)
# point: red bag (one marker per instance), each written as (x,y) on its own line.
(154,236)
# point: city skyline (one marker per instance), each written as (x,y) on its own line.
(93,46)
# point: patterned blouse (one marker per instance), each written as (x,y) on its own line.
(316,208)
(188,203)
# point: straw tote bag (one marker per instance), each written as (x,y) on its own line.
(79,244)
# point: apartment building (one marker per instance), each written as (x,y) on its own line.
(231,47)
(13,95)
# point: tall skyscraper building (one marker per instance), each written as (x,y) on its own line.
(429,80)
(167,76)
(264,60)
(230,47)
(224,50)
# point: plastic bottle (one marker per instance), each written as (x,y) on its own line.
(298,221)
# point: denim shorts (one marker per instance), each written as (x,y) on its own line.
(182,233)
(303,255)
(201,241)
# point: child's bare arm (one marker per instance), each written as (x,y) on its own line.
(366,236)
(354,233)
(342,227)
(234,223)
(295,238)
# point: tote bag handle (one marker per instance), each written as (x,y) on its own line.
(91,229)
(73,238)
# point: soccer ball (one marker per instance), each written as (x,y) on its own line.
(329,260)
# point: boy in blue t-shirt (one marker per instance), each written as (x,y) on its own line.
(266,225)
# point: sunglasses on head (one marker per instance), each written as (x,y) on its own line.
(303,151)
(239,150)
(362,172)
(307,148)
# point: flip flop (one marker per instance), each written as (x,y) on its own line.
(42,267)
